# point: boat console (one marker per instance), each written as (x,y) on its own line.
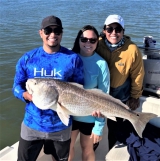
(151,58)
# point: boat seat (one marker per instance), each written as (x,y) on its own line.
(147,104)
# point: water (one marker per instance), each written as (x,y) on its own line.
(19,24)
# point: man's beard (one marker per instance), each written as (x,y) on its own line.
(53,46)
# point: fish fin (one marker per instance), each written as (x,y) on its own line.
(76,84)
(102,94)
(95,90)
(140,123)
(111,118)
(62,114)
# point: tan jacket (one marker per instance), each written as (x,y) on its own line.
(124,62)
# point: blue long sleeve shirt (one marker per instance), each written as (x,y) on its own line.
(96,75)
(64,65)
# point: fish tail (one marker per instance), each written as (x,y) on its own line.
(143,119)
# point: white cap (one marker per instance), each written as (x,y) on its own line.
(114,19)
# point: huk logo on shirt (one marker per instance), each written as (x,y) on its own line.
(43,72)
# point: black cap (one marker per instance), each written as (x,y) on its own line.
(51,21)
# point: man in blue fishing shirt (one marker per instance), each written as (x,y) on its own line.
(49,61)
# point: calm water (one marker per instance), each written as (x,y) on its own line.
(19,24)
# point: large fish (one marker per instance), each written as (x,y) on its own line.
(72,99)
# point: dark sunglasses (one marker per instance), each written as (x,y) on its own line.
(91,40)
(117,29)
(49,30)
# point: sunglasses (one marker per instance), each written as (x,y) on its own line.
(91,40)
(56,31)
(117,29)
